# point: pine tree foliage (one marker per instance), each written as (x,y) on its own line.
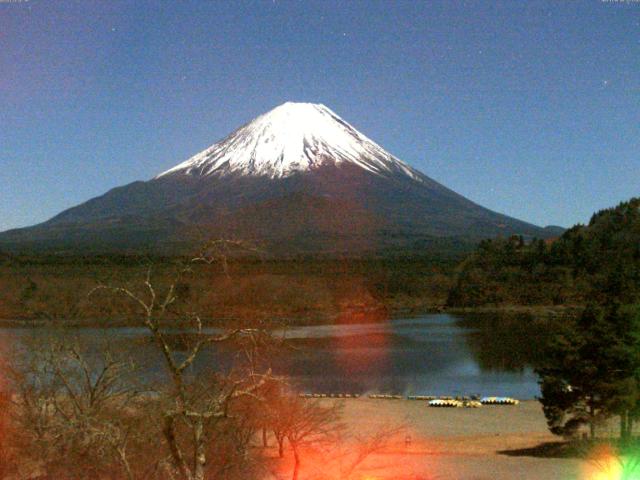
(596,262)
(592,371)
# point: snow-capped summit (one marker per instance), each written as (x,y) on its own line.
(290,138)
(296,180)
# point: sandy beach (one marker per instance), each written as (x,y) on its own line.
(446,443)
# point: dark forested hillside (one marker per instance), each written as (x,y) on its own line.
(308,289)
(587,263)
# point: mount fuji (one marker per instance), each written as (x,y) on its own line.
(297,179)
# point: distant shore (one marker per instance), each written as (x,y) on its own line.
(349,315)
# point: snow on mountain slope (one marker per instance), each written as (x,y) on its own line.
(297,179)
(290,138)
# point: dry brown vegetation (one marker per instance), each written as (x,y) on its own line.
(55,289)
(76,411)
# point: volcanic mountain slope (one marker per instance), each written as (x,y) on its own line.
(296,179)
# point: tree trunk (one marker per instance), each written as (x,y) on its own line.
(592,422)
(628,429)
(296,466)
(200,459)
(176,454)
(125,462)
(624,434)
(280,446)
(264,437)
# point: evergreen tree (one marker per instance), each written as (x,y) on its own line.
(591,371)
(597,262)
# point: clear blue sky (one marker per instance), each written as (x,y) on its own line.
(531,108)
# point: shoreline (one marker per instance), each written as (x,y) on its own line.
(490,442)
(356,316)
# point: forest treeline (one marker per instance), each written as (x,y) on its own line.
(56,287)
(584,264)
(589,367)
(588,263)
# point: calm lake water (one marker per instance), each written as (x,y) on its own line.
(435,354)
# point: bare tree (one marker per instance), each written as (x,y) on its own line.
(351,451)
(302,422)
(7,432)
(315,424)
(311,423)
(192,408)
(73,408)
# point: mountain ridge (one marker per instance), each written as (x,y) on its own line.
(297,175)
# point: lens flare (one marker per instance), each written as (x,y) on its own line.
(359,355)
(603,463)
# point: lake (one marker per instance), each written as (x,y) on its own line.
(431,354)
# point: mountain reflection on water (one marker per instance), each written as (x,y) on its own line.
(431,354)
